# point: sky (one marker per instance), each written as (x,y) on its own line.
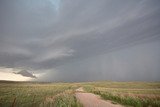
(80,40)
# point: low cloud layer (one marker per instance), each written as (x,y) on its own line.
(79,40)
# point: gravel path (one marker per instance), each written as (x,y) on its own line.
(92,100)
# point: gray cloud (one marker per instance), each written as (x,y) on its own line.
(82,40)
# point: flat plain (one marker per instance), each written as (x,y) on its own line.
(35,94)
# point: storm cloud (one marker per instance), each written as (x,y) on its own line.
(82,40)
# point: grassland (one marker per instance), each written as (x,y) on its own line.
(137,94)
(36,94)
(23,94)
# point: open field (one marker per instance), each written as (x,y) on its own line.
(36,94)
(137,94)
(23,94)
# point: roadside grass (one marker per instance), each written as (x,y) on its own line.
(64,99)
(67,99)
(136,102)
(29,94)
(138,94)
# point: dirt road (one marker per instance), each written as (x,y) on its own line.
(92,100)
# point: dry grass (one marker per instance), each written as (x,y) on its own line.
(62,94)
(136,94)
(29,94)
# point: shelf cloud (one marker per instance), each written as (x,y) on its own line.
(79,40)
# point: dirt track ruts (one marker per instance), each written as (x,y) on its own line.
(92,100)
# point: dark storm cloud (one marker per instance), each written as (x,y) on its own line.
(81,40)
